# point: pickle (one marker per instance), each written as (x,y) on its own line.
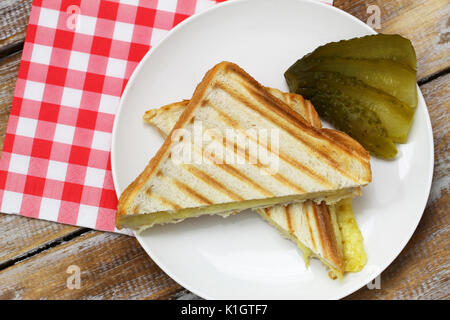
(385,75)
(358,122)
(364,86)
(380,46)
(395,116)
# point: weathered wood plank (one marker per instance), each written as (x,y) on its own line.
(14,16)
(425,22)
(421,270)
(111,266)
(21,235)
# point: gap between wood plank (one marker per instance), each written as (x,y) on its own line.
(51,244)
(11,49)
(433,76)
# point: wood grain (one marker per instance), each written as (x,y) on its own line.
(425,22)
(112,267)
(14,16)
(19,235)
(422,269)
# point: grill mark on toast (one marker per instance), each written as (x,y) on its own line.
(161,199)
(314,175)
(312,114)
(184,188)
(267,211)
(314,212)
(190,192)
(166,202)
(289,100)
(322,219)
(149,115)
(236,173)
(287,213)
(286,181)
(213,183)
(300,123)
(345,140)
(278,176)
(308,222)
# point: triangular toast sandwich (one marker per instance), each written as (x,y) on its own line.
(311,164)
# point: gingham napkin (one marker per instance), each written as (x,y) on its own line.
(76,60)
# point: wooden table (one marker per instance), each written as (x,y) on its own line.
(35,254)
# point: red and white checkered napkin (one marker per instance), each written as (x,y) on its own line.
(77,58)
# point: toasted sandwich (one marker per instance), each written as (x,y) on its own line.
(327,232)
(314,164)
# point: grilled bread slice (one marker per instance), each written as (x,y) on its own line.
(311,163)
(327,232)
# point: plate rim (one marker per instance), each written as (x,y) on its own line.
(174,30)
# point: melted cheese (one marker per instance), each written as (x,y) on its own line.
(352,241)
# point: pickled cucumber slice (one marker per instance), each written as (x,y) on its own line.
(385,75)
(379,46)
(395,116)
(358,122)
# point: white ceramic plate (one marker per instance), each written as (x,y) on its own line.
(242,257)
